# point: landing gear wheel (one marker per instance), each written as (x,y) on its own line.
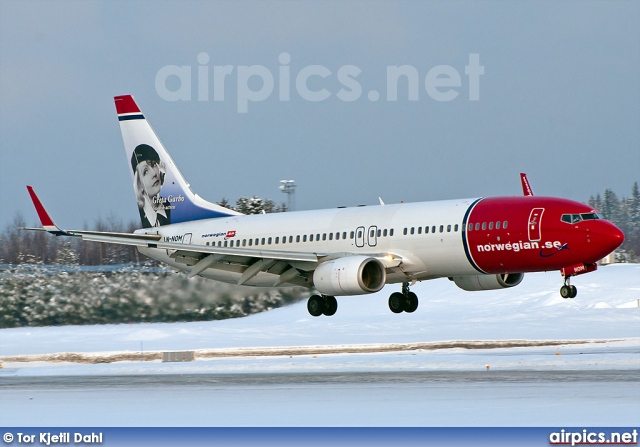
(574,291)
(330,305)
(565,291)
(315,305)
(410,302)
(396,301)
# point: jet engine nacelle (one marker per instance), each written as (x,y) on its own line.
(488,282)
(352,275)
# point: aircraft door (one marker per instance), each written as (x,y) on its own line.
(186,239)
(372,236)
(360,237)
(535,220)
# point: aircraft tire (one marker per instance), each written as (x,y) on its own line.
(410,302)
(565,291)
(315,305)
(330,305)
(574,291)
(396,301)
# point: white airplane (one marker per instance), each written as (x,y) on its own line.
(479,243)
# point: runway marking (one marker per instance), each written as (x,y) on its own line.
(135,356)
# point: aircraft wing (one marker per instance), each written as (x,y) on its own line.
(290,266)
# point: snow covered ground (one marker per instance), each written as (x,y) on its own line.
(552,362)
(606,309)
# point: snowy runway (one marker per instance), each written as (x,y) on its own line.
(448,398)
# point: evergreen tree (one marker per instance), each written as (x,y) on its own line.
(225,203)
(255,205)
(634,209)
(610,206)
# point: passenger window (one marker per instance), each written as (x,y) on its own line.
(484,225)
(317,237)
(311,238)
(257,242)
(284,239)
(441,228)
(352,235)
(324,236)
(337,236)
(244,242)
(262,241)
(391,232)
(477,226)
(470,227)
(412,230)
(497,225)
(207,243)
(426,230)
(344,235)
(504,225)
(419,230)
(448,228)
(269,241)
(225,243)
(491,225)
(250,242)
(455,228)
(298,238)
(404,231)
(384,233)
(277,240)
(359,234)
(330,236)
(304,238)
(291,239)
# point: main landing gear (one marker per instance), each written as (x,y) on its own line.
(405,301)
(567,290)
(322,305)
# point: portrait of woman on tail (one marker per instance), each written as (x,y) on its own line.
(148,178)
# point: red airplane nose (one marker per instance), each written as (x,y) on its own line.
(614,237)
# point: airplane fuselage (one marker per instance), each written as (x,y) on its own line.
(432,239)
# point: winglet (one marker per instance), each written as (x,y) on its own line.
(45,218)
(526,187)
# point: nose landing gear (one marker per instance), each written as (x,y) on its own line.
(406,301)
(567,290)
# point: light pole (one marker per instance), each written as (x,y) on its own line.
(289,187)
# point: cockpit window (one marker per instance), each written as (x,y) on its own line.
(571,218)
(575,218)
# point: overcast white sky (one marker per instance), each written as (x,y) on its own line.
(559,99)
